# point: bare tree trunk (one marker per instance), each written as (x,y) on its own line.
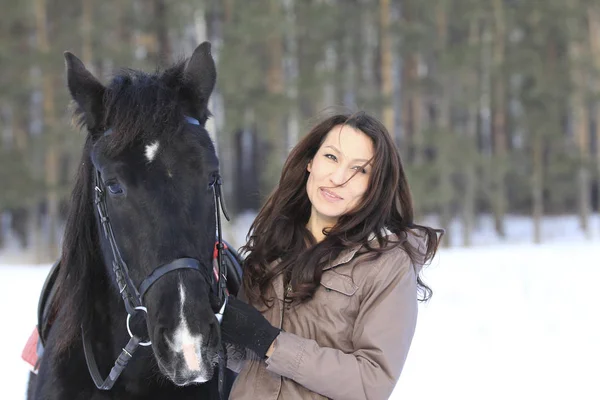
(411,110)
(331,64)
(581,130)
(368,53)
(485,139)
(33,124)
(469,171)
(291,74)
(350,72)
(275,89)
(537,187)
(416,111)
(444,128)
(161,18)
(125,31)
(387,83)
(86,33)
(594,41)
(499,120)
(53,200)
(7,143)
(3,228)
(52,152)
(24,226)
(412,102)
(20,130)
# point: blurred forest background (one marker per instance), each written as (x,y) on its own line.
(494,104)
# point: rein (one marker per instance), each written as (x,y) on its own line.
(133,297)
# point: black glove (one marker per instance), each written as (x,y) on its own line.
(245,326)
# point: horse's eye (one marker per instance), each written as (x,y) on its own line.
(114,188)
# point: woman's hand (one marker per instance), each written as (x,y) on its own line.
(245,326)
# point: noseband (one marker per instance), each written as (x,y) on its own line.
(133,297)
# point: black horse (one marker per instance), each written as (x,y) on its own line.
(144,196)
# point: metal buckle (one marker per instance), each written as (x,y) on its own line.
(139,308)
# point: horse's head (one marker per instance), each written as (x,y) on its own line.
(156,168)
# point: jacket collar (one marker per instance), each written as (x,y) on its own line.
(348,254)
(344,257)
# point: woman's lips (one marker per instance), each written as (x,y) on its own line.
(329,195)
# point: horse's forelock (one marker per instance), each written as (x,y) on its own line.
(140,107)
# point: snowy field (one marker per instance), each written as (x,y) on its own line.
(507,321)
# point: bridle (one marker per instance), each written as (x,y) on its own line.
(133,297)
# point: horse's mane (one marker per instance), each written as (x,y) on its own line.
(81,270)
(136,105)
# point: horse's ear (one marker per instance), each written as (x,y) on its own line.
(86,90)
(201,72)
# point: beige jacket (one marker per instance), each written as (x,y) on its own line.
(349,342)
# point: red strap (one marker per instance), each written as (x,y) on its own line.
(216,250)
(216,266)
(29,353)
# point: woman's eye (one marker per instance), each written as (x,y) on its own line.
(360,169)
(114,188)
(331,157)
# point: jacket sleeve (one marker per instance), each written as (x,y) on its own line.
(382,335)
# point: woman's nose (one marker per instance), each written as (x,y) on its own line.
(339,176)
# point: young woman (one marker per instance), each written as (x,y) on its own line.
(331,277)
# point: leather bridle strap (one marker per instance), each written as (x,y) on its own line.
(127,289)
(222,269)
(180,263)
(120,363)
(222,281)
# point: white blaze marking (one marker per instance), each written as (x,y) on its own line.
(151,151)
(183,340)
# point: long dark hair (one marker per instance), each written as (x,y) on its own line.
(279,231)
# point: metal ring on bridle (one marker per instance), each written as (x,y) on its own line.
(139,308)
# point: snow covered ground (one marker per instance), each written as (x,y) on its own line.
(507,321)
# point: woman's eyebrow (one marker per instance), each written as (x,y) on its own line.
(339,152)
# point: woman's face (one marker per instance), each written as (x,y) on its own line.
(338,177)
